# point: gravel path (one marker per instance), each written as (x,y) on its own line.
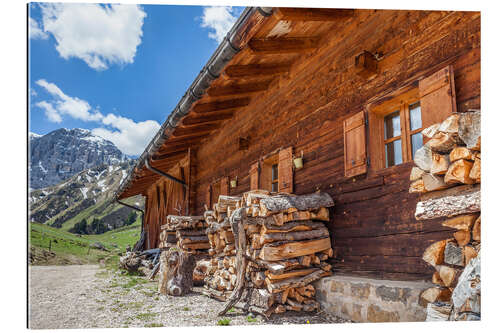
(87,296)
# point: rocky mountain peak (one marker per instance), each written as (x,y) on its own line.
(62,153)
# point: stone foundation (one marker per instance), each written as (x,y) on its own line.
(370,300)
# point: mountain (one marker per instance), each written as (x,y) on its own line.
(87,195)
(62,153)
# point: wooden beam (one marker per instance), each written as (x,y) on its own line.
(238,88)
(235,71)
(221,105)
(283,45)
(314,14)
(159,157)
(207,118)
(189,131)
(185,140)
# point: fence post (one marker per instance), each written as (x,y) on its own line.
(50,244)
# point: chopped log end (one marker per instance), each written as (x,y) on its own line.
(434,254)
(458,172)
(476,230)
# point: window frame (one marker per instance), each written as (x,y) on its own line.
(266,174)
(377,141)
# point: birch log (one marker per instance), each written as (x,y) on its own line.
(449,206)
(282,203)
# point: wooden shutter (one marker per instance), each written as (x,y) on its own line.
(355,145)
(285,170)
(437,96)
(254,176)
(224,186)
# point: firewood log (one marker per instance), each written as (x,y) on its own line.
(293,236)
(295,281)
(436,279)
(416,174)
(458,172)
(315,260)
(433,182)
(423,158)
(326,267)
(294,249)
(434,254)
(475,171)
(296,296)
(443,142)
(280,309)
(469,129)
(417,186)
(306,291)
(450,204)
(476,230)
(305,260)
(293,305)
(460,153)
(462,236)
(259,278)
(435,294)
(283,203)
(440,164)
(329,252)
(449,275)
(453,254)
(461,222)
(450,124)
(292,226)
(438,311)
(430,131)
(469,253)
(289,274)
(278,267)
(254,196)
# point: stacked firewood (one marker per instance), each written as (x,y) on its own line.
(451,157)
(188,233)
(285,244)
(221,277)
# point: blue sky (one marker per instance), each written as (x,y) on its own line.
(118,71)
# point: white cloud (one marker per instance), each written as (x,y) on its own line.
(35,32)
(50,112)
(100,35)
(219,19)
(130,137)
(63,104)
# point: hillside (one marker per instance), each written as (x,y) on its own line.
(86,195)
(62,153)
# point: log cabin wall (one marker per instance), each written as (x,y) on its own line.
(374,231)
(166,197)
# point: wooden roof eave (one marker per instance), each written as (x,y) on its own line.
(235,88)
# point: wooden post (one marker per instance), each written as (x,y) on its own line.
(50,244)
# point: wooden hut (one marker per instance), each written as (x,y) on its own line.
(343,92)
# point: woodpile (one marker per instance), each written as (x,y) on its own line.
(451,157)
(449,166)
(188,233)
(283,248)
(221,278)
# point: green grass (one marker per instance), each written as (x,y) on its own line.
(146,315)
(66,244)
(224,322)
(251,319)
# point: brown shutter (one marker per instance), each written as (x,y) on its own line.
(254,176)
(285,170)
(437,96)
(355,145)
(224,186)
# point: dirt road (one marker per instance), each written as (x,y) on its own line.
(86,296)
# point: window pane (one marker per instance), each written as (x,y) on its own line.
(393,153)
(274,187)
(415,116)
(392,126)
(417,141)
(274,172)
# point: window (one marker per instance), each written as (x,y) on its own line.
(274,178)
(396,132)
(398,138)
(269,174)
